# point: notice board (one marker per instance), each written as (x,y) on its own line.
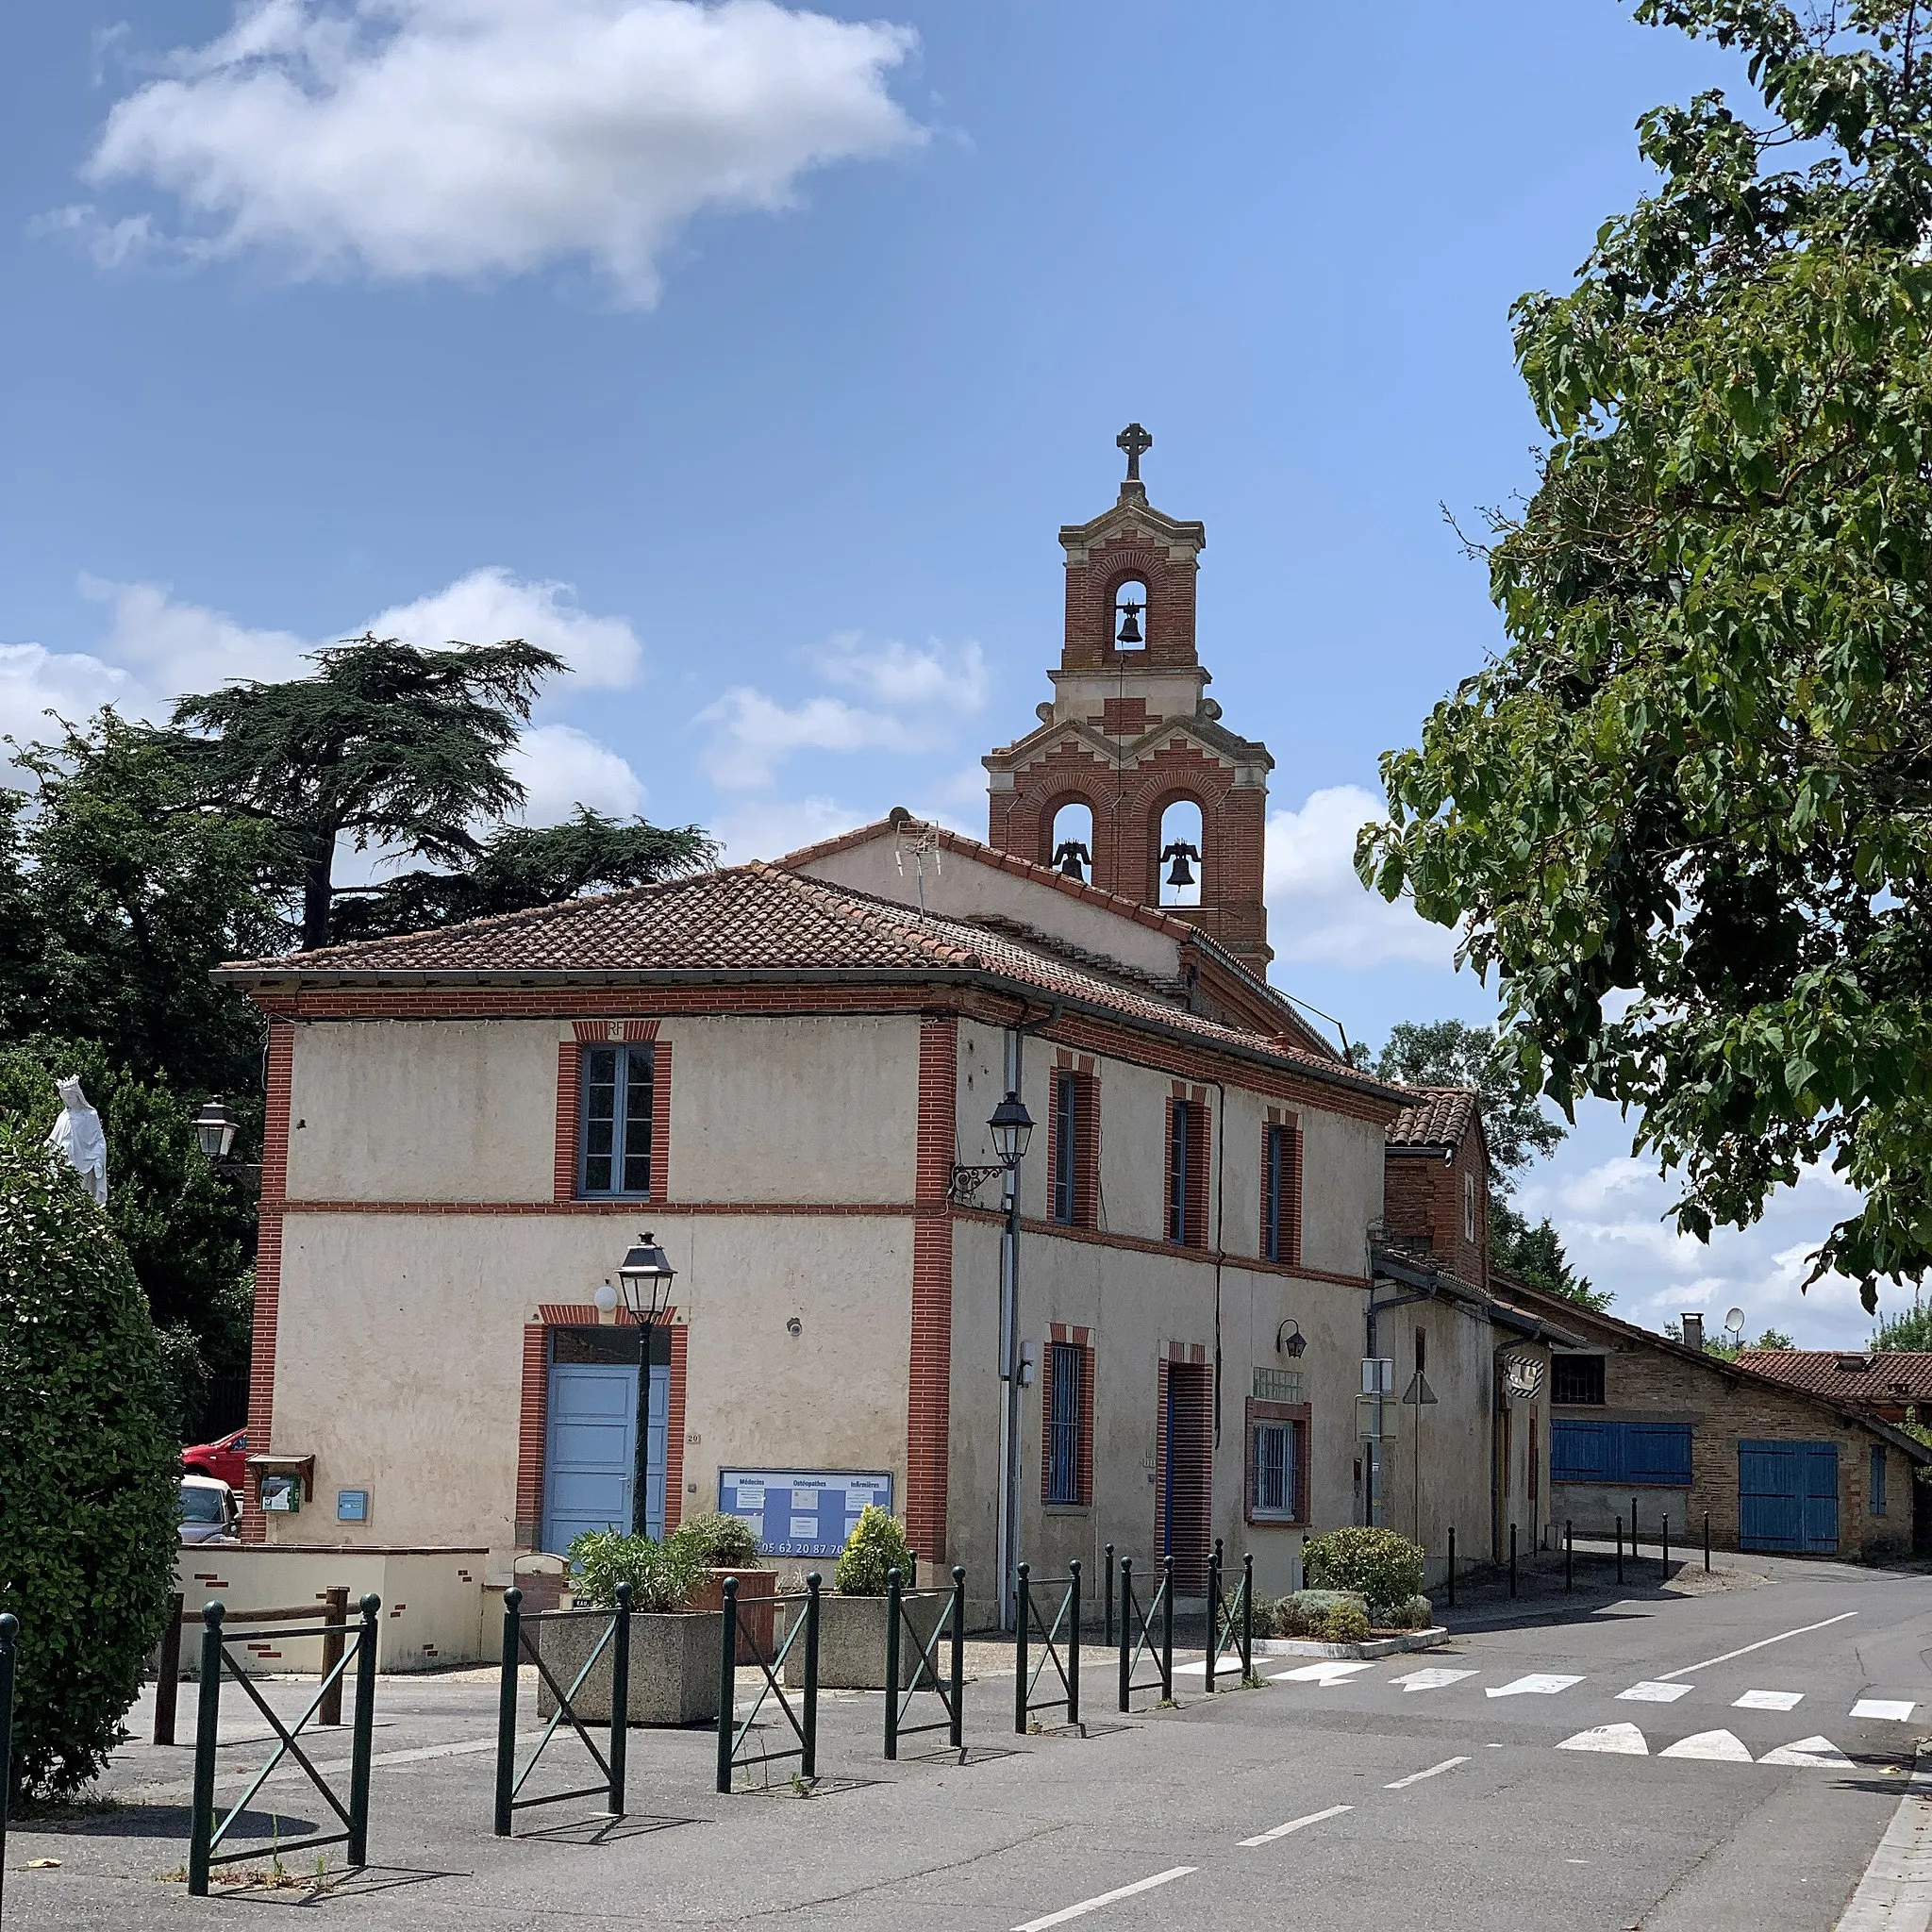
(802,1512)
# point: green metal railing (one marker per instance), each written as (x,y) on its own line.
(804,1720)
(1060,1645)
(1230,1622)
(1136,1628)
(517,1645)
(951,1694)
(205,1834)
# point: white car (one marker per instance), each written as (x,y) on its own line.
(208,1510)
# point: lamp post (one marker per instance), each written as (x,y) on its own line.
(214,1132)
(1011,1127)
(644,1276)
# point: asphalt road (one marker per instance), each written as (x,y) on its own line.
(1533,1791)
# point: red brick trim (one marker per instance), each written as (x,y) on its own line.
(600,1032)
(533,1417)
(660,1117)
(1299,1415)
(1083,1443)
(532,1421)
(626,1205)
(1119,1040)
(1140,1245)
(268,1262)
(930,1398)
(674,1431)
(1290,1205)
(570,1074)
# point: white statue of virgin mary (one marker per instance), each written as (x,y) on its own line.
(78,1140)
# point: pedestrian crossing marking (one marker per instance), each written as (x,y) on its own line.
(1329,1671)
(1768,1700)
(1624,1741)
(1430,1679)
(1718,1747)
(1815,1753)
(1648,1692)
(1537,1685)
(1896,1708)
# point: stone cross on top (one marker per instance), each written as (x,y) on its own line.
(1137,443)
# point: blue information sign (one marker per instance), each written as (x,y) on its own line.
(802,1512)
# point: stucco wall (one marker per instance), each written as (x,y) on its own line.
(761,1110)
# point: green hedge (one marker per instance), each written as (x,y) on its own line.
(1386,1568)
(90,1475)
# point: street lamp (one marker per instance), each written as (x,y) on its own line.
(645,1275)
(214,1127)
(1011,1127)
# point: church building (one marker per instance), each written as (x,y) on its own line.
(801,1083)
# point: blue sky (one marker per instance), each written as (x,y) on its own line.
(752,357)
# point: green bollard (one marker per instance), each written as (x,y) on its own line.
(208,1717)
(507,1709)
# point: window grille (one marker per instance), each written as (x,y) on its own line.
(1577,1378)
(1064,1424)
(1271,1455)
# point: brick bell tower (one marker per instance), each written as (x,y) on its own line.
(1132,736)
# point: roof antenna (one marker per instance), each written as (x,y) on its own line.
(910,835)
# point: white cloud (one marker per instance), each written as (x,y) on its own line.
(490,605)
(922,694)
(769,828)
(561,768)
(1318,910)
(407,139)
(156,650)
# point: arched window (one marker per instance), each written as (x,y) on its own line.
(1179,870)
(1130,615)
(1070,843)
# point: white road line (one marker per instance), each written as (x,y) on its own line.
(1268,1838)
(1429,1680)
(1713,1747)
(1648,1692)
(1813,1753)
(1803,1630)
(1534,1686)
(1415,1777)
(1329,1671)
(1621,1740)
(1768,1700)
(1106,1898)
(1895,1894)
(1897,1709)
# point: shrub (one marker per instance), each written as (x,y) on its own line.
(1347,1623)
(718,1543)
(661,1575)
(1386,1568)
(1304,1613)
(1416,1614)
(89,1473)
(877,1544)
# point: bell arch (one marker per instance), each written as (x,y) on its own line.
(1066,828)
(1179,847)
(1130,626)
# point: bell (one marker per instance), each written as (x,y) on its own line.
(1180,876)
(1130,625)
(1072,858)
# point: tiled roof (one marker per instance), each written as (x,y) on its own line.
(759,918)
(1439,1119)
(1846,1374)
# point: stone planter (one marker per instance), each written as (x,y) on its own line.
(852,1640)
(757,1613)
(674,1667)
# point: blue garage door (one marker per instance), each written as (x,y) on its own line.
(1788,1496)
(1643,1454)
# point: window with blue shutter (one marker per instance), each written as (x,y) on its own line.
(1645,1455)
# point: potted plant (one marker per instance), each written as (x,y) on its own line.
(673,1648)
(723,1546)
(851,1615)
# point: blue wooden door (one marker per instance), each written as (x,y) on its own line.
(589,1457)
(1788,1496)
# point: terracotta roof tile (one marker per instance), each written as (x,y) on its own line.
(1439,1119)
(1877,1375)
(762,918)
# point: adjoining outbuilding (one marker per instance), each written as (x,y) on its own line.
(1638,1418)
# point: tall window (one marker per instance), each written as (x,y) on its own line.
(1878,1503)
(1281,1190)
(1181,1130)
(1278,1462)
(1066,1106)
(1064,1422)
(614,1139)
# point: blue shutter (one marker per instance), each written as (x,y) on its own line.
(1656,1454)
(1581,1452)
